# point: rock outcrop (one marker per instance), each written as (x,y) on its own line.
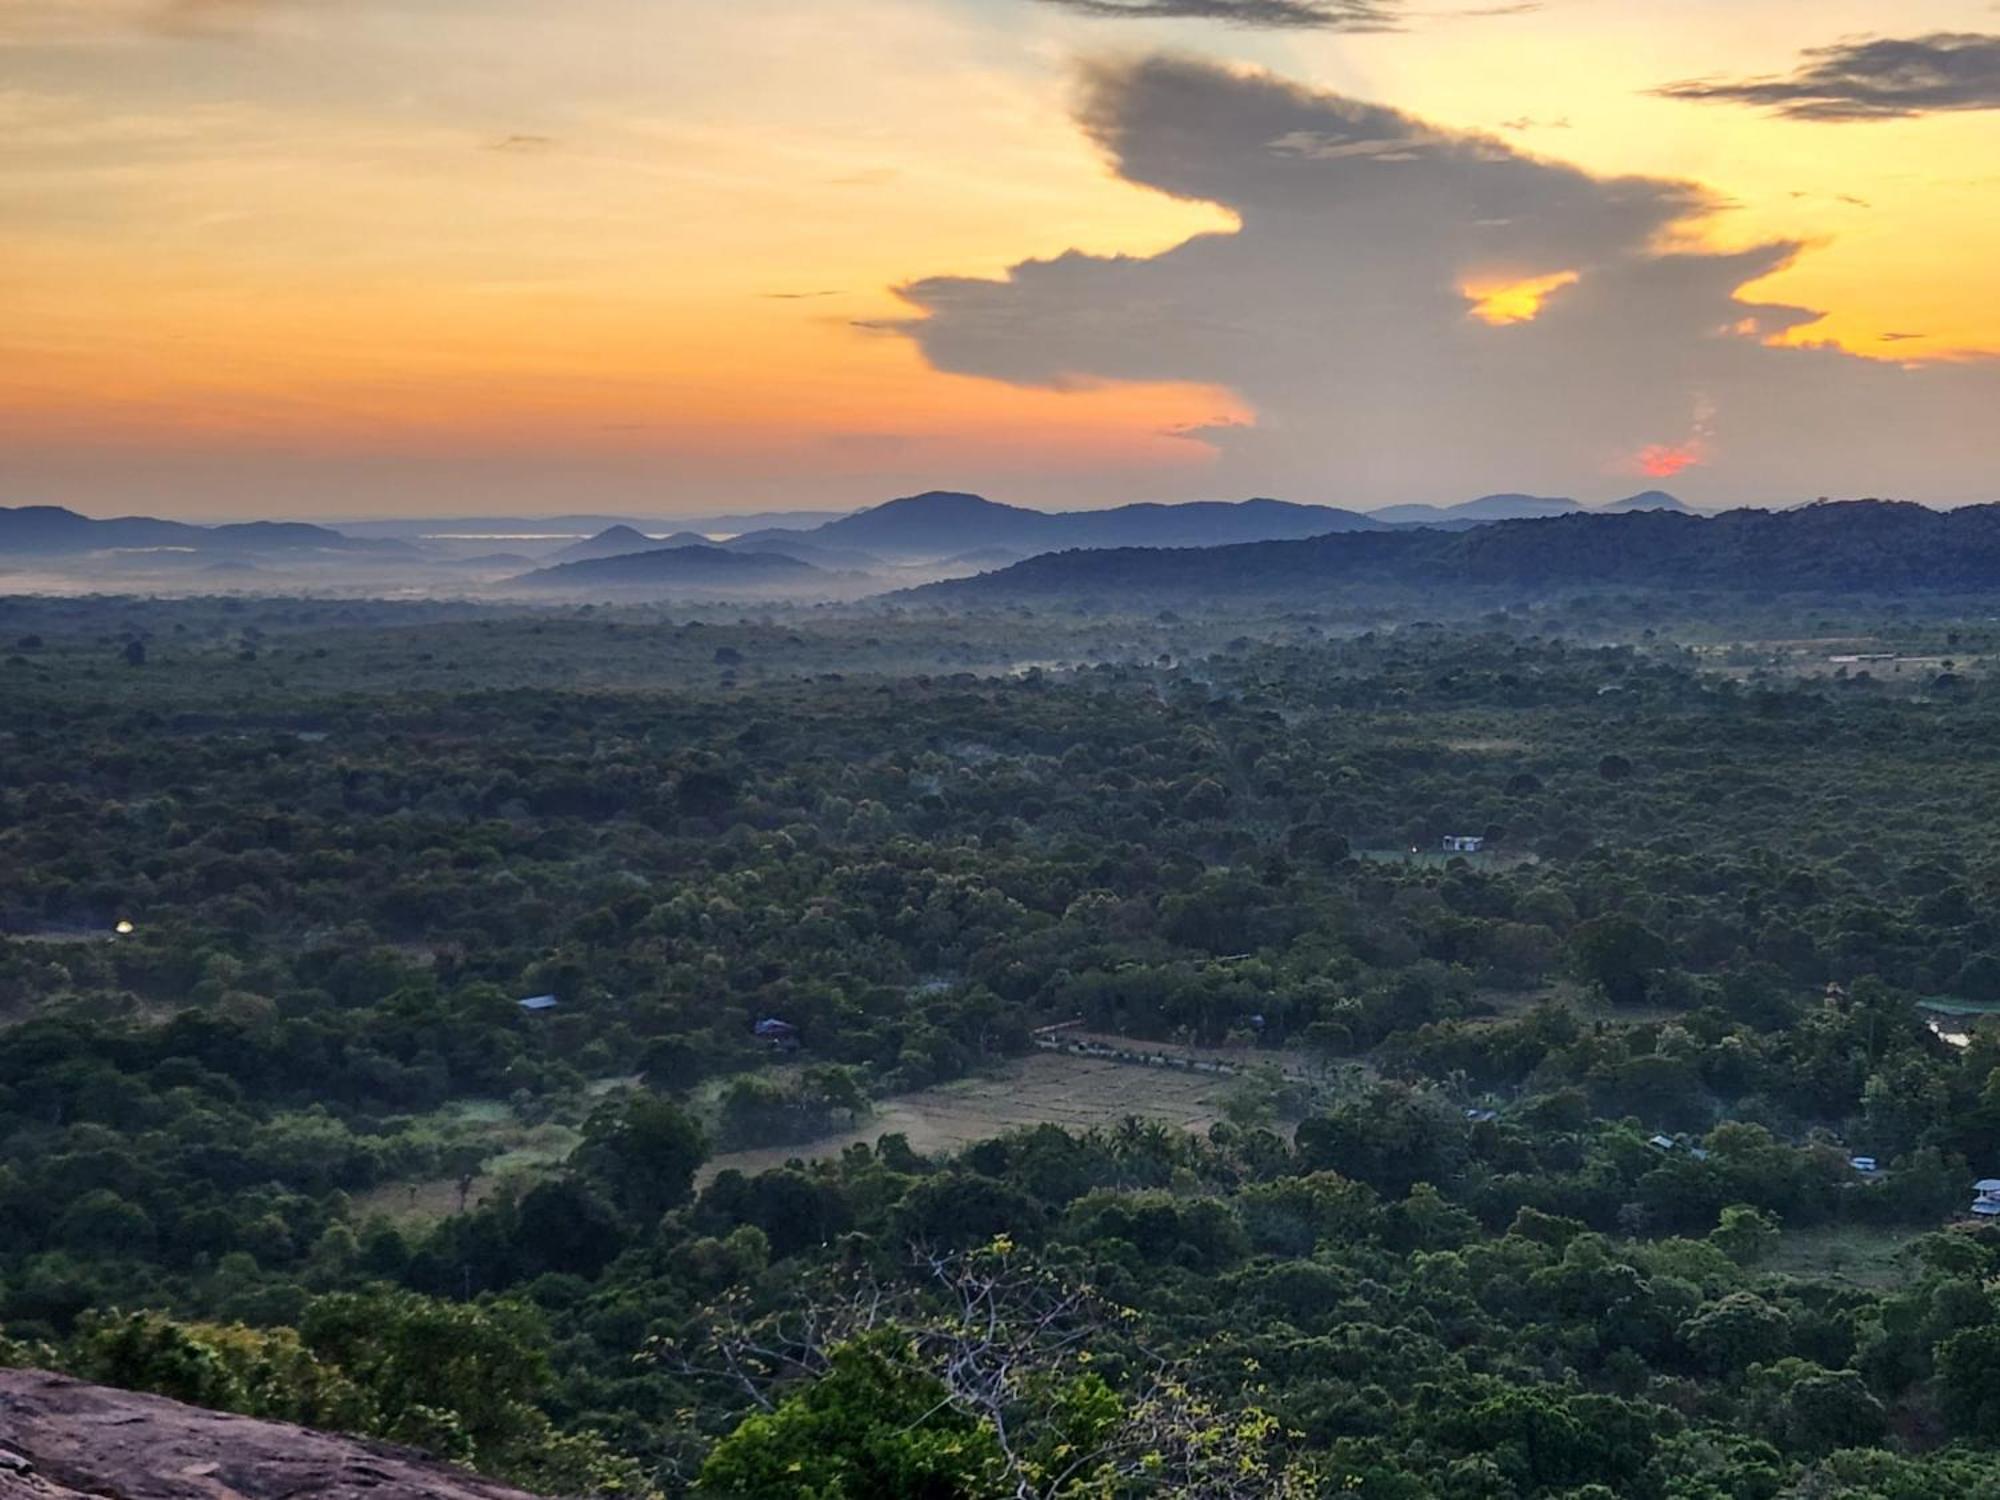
(61,1439)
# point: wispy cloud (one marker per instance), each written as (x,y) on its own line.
(1323,15)
(1870,78)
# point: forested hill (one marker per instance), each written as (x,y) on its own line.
(51,530)
(943,522)
(1867,545)
(667,564)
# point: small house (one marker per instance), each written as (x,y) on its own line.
(1463,843)
(1480,1116)
(534,1005)
(1662,1142)
(779,1036)
(1865,1165)
(1986,1197)
(1951,1036)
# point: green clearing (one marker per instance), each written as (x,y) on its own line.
(1858,1255)
(512,1154)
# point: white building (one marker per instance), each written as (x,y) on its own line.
(1463,843)
(1986,1197)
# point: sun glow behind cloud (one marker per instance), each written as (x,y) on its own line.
(1503,302)
(1665,460)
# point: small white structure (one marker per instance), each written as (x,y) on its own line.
(1463,843)
(536,1004)
(1986,1197)
(1949,1037)
(1865,1165)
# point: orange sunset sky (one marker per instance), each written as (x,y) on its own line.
(370,257)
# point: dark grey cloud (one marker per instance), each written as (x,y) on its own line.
(1324,15)
(1870,78)
(1338,312)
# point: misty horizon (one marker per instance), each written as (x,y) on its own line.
(807,514)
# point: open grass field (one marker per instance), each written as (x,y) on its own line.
(1832,656)
(1862,1256)
(1078,1093)
(1498,1005)
(1291,1062)
(1044,1088)
(516,1155)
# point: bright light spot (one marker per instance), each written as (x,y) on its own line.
(123,929)
(1664,460)
(1504,302)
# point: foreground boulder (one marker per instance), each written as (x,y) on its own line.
(61,1438)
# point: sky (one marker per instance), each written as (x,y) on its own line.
(355,258)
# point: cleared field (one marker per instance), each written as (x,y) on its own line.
(1511,1005)
(1860,1256)
(1045,1088)
(513,1155)
(1291,1062)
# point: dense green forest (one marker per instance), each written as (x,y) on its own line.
(1535,1168)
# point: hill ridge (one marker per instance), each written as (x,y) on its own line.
(1866,545)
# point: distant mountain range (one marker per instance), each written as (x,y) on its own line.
(945,523)
(51,531)
(1648,500)
(476,528)
(619,541)
(702,566)
(1477,512)
(1517,508)
(616,541)
(941,527)
(1859,545)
